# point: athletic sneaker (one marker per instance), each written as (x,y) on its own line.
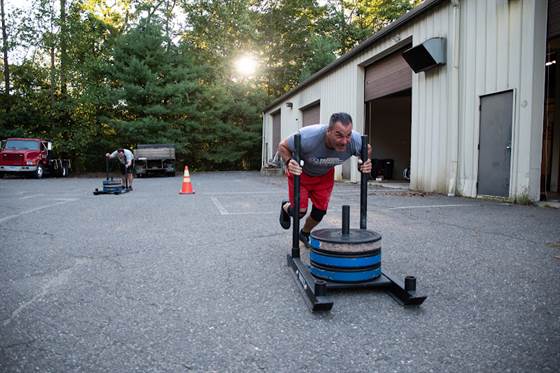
(284,216)
(304,237)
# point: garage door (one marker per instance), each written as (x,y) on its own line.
(312,115)
(389,75)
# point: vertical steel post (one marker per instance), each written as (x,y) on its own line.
(107,167)
(410,283)
(295,207)
(363,186)
(125,174)
(345,220)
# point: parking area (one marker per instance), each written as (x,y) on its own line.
(156,281)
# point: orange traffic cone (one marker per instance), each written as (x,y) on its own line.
(187,186)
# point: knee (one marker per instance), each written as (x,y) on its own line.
(317,214)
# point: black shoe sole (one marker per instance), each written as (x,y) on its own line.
(307,245)
(284,217)
(304,241)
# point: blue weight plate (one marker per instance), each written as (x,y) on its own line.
(347,277)
(344,262)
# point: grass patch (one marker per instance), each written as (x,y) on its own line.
(523,199)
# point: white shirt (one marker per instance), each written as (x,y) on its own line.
(128,155)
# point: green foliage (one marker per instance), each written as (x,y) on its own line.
(290,37)
(151,88)
(375,14)
(322,52)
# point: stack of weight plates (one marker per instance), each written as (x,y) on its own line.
(112,186)
(348,258)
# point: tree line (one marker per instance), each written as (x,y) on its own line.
(95,75)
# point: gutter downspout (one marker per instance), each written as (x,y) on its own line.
(455,95)
(264,156)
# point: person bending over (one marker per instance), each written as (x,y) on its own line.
(126,160)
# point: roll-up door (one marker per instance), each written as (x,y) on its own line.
(553,17)
(276,129)
(389,75)
(311,115)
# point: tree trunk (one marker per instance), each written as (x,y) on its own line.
(53,78)
(63,48)
(5,50)
(168,19)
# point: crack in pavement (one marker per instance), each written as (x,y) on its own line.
(23,343)
(26,231)
(61,201)
(160,306)
(54,282)
(108,258)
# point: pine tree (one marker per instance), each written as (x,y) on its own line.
(154,89)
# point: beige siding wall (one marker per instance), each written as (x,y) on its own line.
(289,124)
(502,48)
(430,110)
(492,45)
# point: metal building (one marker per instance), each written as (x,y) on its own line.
(463,93)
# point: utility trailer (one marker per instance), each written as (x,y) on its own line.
(154,159)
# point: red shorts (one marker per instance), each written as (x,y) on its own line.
(318,188)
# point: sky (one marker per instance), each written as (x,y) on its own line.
(26,4)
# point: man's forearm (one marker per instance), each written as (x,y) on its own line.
(285,152)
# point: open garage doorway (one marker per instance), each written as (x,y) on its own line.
(388,109)
(388,126)
(550,163)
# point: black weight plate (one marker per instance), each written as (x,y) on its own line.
(355,236)
(349,250)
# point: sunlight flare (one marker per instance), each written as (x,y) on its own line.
(246,65)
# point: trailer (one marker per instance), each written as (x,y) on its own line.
(154,159)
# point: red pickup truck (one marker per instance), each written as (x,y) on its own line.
(29,156)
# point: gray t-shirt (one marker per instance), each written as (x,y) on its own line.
(317,158)
(127,153)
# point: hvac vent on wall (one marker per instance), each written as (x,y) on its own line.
(427,55)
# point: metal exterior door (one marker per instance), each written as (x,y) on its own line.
(494,155)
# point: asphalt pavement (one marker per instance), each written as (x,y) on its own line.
(154,281)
